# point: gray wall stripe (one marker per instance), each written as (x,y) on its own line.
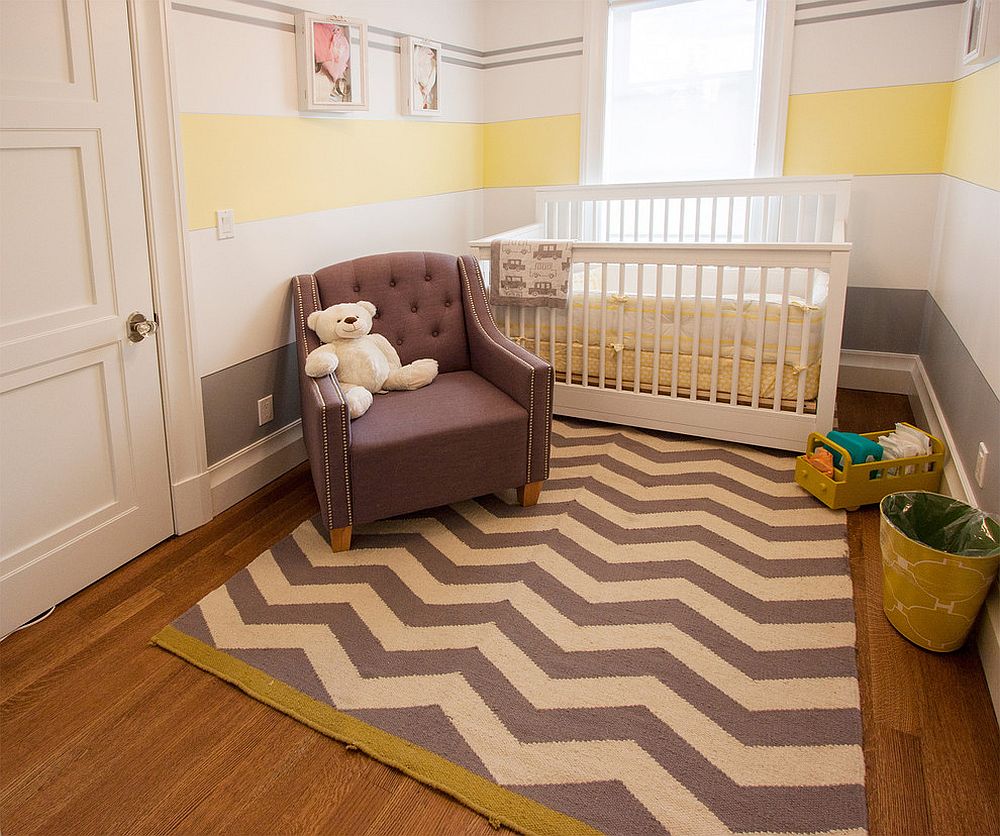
(253,21)
(532,59)
(391,33)
(865,324)
(971,407)
(542,45)
(906,7)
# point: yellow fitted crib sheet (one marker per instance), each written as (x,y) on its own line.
(664,373)
(617,316)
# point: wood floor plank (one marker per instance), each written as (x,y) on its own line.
(103,734)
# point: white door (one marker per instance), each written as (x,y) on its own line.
(82,453)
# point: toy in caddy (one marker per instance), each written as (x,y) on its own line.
(849,485)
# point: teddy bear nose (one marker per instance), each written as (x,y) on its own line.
(350,320)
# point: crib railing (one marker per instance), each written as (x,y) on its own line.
(783,209)
(661,247)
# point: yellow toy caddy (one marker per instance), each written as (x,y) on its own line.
(853,485)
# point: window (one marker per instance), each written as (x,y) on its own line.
(693,90)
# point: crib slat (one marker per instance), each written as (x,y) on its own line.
(602,347)
(607,220)
(716,335)
(758,355)
(820,228)
(801,219)
(746,221)
(621,219)
(593,221)
(696,337)
(506,317)
(800,399)
(666,220)
(729,221)
(675,359)
(697,219)
(738,337)
(651,205)
(620,355)
(712,227)
(779,371)
(637,352)
(568,378)
(680,231)
(635,220)
(585,358)
(658,320)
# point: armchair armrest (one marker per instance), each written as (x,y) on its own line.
(513,370)
(326,424)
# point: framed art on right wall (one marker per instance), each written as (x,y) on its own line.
(420,67)
(974,30)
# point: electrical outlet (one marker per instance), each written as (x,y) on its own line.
(224,224)
(265,410)
(981,459)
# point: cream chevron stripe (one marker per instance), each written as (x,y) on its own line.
(395,634)
(438,535)
(665,643)
(747,765)
(431,591)
(571,527)
(507,759)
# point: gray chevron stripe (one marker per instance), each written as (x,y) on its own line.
(643,659)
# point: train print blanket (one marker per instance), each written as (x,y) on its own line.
(530,273)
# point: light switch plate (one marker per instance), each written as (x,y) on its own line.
(224,224)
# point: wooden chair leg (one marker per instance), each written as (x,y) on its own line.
(340,539)
(527,495)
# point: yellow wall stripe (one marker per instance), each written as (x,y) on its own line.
(532,152)
(882,130)
(269,166)
(972,148)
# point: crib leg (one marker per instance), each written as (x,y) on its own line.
(527,495)
(340,539)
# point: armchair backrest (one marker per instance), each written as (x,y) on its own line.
(419,301)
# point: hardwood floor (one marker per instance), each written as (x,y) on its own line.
(101,733)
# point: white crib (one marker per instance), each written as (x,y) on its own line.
(710,308)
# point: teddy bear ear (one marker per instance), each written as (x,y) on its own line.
(368,306)
(313,319)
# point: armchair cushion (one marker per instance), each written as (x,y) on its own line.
(456,438)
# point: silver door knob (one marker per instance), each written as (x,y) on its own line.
(139,327)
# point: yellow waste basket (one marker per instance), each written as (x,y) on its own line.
(939,559)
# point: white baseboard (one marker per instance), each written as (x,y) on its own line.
(192,502)
(249,469)
(905,374)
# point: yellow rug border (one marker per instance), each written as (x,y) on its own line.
(500,806)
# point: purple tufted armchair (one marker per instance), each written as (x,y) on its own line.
(482,426)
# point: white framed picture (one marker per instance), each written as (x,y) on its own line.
(974,30)
(332,58)
(420,65)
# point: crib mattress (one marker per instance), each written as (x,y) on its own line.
(750,323)
(791,377)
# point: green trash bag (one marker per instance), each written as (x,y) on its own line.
(939,559)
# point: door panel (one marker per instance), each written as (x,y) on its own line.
(84,483)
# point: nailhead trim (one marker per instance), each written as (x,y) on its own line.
(343,435)
(475,314)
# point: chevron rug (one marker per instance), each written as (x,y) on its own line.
(665,643)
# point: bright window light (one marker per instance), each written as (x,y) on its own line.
(682,90)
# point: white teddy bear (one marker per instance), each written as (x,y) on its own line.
(365,362)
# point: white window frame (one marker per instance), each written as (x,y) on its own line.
(772,108)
